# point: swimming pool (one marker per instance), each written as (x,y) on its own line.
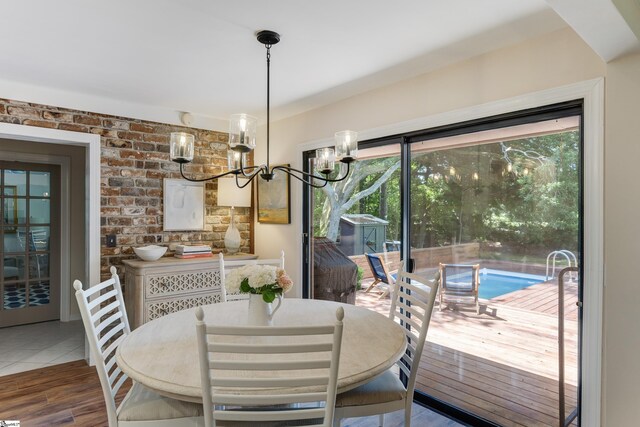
(498,282)
(494,283)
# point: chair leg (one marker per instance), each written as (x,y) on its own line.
(381,422)
(375,282)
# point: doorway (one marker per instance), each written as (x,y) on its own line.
(29,243)
(503,193)
(78,155)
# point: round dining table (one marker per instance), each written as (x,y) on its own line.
(163,354)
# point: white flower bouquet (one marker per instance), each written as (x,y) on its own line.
(267,280)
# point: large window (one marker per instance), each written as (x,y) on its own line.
(503,197)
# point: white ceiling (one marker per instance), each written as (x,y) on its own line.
(201,56)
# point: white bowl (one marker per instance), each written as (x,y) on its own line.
(150,253)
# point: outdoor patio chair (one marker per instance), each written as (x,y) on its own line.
(381,274)
(459,283)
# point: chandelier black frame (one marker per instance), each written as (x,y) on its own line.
(242,131)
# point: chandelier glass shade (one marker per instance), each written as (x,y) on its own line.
(242,140)
(182,147)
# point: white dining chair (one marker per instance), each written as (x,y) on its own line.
(106,325)
(226,266)
(283,373)
(412,303)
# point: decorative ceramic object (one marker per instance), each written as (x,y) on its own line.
(260,312)
(150,253)
(232,239)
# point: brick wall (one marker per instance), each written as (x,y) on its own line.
(134,161)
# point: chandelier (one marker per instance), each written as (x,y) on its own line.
(242,140)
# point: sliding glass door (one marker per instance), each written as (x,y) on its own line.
(503,204)
(493,210)
(351,219)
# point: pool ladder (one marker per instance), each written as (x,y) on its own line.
(572,261)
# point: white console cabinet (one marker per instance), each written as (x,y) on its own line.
(155,288)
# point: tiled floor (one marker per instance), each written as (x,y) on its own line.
(23,348)
(420,416)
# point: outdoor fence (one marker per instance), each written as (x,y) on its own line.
(425,258)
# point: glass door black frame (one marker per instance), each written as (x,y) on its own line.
(307,193)
(521,117)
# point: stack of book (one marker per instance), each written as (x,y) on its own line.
(196,251)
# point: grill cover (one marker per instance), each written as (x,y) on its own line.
(334,274)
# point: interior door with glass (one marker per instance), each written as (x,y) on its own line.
(29,249)
(496,214)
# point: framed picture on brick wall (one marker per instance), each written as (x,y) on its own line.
(183,205)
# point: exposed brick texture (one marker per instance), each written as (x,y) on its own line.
(134,162)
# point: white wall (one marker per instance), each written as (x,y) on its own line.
(622,244)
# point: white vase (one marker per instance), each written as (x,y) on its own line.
(232,239)
(260,312)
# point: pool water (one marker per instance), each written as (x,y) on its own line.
(494,283)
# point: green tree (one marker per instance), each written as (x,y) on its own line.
(523,193)
(334,200)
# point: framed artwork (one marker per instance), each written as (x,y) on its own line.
(183,205)
(273,199)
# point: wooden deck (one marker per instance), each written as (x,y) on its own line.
(543,298)
(501,364)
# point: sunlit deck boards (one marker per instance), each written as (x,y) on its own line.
(543,298)
(501,364)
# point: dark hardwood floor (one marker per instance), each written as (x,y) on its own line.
(67,394)
(70,394)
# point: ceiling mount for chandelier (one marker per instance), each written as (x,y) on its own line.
(242,140)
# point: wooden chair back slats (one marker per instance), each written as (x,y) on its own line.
(267,331)
(412,300)
(264,366)
(229,399)
(270,382)
(272,360)
(272,348)
(412,305)
(290,415)
(106,324)
(99,300)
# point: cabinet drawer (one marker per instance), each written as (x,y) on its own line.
(166,284)
(158,308)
